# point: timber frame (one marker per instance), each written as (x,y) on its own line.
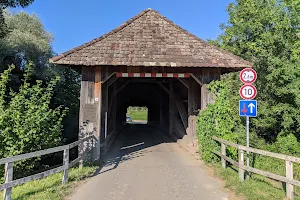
(100,111)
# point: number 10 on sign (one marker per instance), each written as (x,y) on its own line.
(248,92)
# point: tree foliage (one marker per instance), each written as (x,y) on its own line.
(27,122)
(28,41)
(4,30)
(266,33)
(35,100)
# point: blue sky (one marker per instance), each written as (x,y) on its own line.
(74,22)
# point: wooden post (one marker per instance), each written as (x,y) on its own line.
(289,175)
(8,177)
(161,114)
(82,151)
(171,109)
(98,95)
(204,93)
(241,163)
(66,164)
(192,118)
(223,151)
(89,117)
(115,109)
(104,109)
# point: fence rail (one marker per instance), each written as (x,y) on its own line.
(9,162)
(289,160)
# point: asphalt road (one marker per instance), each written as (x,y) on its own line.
(144,164)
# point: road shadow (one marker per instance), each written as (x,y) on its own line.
(132,142)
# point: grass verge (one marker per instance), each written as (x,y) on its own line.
(51,187)
(139,115)
(255,188)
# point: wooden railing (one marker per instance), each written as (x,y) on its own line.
(289,160)
(9,162)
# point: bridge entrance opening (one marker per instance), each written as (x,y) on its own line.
(137,115)
(165,102)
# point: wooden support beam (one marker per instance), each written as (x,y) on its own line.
(115,108)
(90,109)
(196,79)
(184,82)
(182,111)
(98,104)
(147,80)
(161,114)
(122,87)
(179,127)
(192,115)
(108,77)
(112,80)
(104,110)
(191,97)
(204,96)
(164,88)
(171,108)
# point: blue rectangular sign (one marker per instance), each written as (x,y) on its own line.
(248,108)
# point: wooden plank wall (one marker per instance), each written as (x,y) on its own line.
(90,109)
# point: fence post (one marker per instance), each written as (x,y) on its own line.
(289,175)
(241,163)
(223,151)
(8,177)
(66,164)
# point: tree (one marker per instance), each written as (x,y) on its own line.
(9,3)
(267,33)
(27,121)
(28,41)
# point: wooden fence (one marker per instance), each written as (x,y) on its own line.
(289,160)
(9,162)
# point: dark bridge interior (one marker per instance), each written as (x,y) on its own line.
(153,93)
(149,93)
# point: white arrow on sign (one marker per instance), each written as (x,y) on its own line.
(251,106)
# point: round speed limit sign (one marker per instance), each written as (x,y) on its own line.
(248,92)
(248,75)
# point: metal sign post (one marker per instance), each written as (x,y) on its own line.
(248,140)
(248,107)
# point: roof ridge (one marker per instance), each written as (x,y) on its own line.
(122,26)
(201,40)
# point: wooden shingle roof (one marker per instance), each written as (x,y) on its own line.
(149,39)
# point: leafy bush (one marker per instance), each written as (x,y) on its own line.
(220,119)
(27,123)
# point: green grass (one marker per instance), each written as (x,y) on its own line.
(51,188)
(138,115)
(255,188)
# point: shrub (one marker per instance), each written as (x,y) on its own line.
(27,123)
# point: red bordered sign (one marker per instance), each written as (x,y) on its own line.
(248,92)
(248,75)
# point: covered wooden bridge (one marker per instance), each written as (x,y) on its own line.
(147,61)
